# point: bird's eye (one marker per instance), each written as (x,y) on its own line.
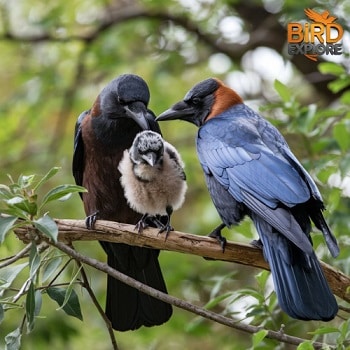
(121,101)
(196,100)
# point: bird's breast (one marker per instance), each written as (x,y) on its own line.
(101,178)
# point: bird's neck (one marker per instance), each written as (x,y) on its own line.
(145,172)
(115,133)
(224,98)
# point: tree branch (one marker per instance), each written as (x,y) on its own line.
(279,335)
(75,230)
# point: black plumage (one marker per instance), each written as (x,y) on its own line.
(101,135)
(250,170)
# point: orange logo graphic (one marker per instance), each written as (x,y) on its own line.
(320,37)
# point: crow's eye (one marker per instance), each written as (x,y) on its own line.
(196,100)
(121,101)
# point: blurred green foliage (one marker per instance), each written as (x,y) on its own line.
(57,56)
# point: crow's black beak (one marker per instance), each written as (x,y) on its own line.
(138,113)
(180,110)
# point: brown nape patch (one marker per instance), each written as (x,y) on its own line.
(224,98)
(96,110)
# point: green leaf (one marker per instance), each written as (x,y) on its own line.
(261,278)
(8,275)
(47,226)
(331,68)
(50,268)
(341,134)
(2,313)
(72,306)
(13,340)
(253,293)
(325,330)
(34,262)
(24,181)
(215,301)
(52,172)
(14,211)
(6,224)
(24,204)
(283,91)
(345,98)
(30,307)
(60,192)
(305,345)
(38,302)
(338,84)
(70,289)
(5,192)
(259,337)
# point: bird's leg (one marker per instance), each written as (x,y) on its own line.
(156,221)
(142,224)
(216,233)
(257,243)
(167,227)
(91,219)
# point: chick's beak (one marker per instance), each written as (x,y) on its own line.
(150,158)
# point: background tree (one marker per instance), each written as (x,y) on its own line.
(55,59)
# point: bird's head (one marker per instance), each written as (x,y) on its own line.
(147,148)
(127,96)
(204,101)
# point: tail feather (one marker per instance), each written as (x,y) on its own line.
(330,239)
(301,287)
(127,308)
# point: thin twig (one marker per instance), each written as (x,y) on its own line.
(179,302)
(21,254)
(59,272)
(91,293)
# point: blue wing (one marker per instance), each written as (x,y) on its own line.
(252,161)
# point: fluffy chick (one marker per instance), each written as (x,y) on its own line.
(153,179)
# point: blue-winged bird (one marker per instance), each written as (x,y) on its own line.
(250,170)
(153,179)
(101,136)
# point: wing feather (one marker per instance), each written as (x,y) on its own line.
(78,154)
(256,173)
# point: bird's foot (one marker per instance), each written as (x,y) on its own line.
(90,220)
(166,228)
(142,223)
(257,243)
(216,233)
(140,226)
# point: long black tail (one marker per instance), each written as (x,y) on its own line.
(301,287)
(127,308)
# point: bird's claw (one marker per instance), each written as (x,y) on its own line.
(257,243)
(91,220)
(216,233)
(166,228)
(147,221)
(140,226)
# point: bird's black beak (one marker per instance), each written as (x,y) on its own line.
(180,110)
(138,113)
